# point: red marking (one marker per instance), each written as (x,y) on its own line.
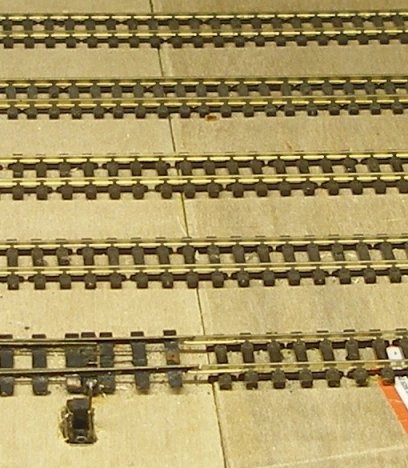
(400,411)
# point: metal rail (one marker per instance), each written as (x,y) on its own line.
(211,174)
(192,261)
(198,30)
(95,364)
(118,98)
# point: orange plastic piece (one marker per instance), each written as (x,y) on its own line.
(400,411)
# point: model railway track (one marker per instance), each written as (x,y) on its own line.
(95,364)
(117,98)
(242,261)
(211,174)
(199,30)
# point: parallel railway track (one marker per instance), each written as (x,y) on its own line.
(118,176)
(117,98)
(92,364)
(198,30)
(192,262)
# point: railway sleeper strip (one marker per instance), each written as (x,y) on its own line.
(212,186)
(212,174)
(194,261)
(198,30)
(186,97)
(94,364)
